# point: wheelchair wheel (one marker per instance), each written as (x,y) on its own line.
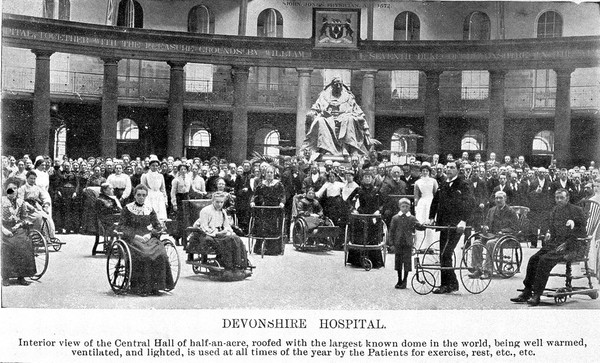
(423,282)
(473,276)
(299,237)
(40,253)
(346,245)
(507,256)
(431,259)
(173,256)
(197,269)
(118,266)
(55,242)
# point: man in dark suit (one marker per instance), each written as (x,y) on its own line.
(578,192)
(562,182)
(314,180)
(452,206)
(518,191)
(502,187)
(480,193)
(567,223)
(540,204)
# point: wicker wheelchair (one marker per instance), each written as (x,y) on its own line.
(366,234)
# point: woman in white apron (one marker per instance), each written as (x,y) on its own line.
(157,195)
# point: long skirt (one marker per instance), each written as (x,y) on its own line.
(17,255)
(150,267)
(157,201)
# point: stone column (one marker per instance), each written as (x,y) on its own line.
(368,98)
(176,95)
(562,118)
(496,118)
(369,21)
(302,105)
(432,112)
(41,103)
(243,16)
(239,132)
(110,107)
(596,154)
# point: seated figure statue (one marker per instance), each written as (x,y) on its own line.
(337,124)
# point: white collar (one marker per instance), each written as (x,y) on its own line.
(404,214)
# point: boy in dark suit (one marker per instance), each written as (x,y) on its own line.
(401,237)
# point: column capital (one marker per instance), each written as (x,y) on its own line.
(304,71)
(40,54)
(176,65)
(110,60)
(564,72)
(369,72)
(497,72)
(433,73)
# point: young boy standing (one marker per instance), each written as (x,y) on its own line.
(401,237)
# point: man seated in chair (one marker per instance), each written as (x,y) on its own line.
(217,233)
(500,219)
(567,224)
(308,207)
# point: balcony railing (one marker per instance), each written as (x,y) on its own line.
(78,84)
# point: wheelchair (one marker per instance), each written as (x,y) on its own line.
(206,263)
(506,255)
(267,223)
(105,236)
(119,263)
(53,241)
(358,237)
(321,238)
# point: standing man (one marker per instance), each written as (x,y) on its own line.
(567,223)
(452,206)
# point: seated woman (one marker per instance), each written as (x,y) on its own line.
(151,271)
(107,205)
(17,249)
(309,208)
(217,233)
(229,204)
(37,197)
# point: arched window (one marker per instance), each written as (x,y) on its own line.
(549,25)
(407,26)
(200,20)
(476,26)
(197,135)
(543,143)
(271,141)
(127,130)
(473,140)
(60,142)
(57,9)
(270,24)
(131,14)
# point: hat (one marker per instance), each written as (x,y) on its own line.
(328,162)
(336,164)
(404,201)
(153,159)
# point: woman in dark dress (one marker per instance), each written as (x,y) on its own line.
(270,192)
(369,201)
(17,249)
(151,271)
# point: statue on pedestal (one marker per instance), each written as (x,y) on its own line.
(337,124)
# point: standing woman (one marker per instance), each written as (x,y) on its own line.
(331,199)
(270,192)
(150,268)
(180,191)
(121,183)
(43,178)
(157,195)
(425,189)
(17,249)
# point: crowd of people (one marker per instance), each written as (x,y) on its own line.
(457,192)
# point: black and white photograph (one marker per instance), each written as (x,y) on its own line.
(245,180)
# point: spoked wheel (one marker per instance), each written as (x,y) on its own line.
(423,282)
(197,269)
(56,244)
(507,257)
(118,266)
(559,300)
(474,277)
(431,258)
(299,236)
(173,257)
(40,253)
(366,264)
